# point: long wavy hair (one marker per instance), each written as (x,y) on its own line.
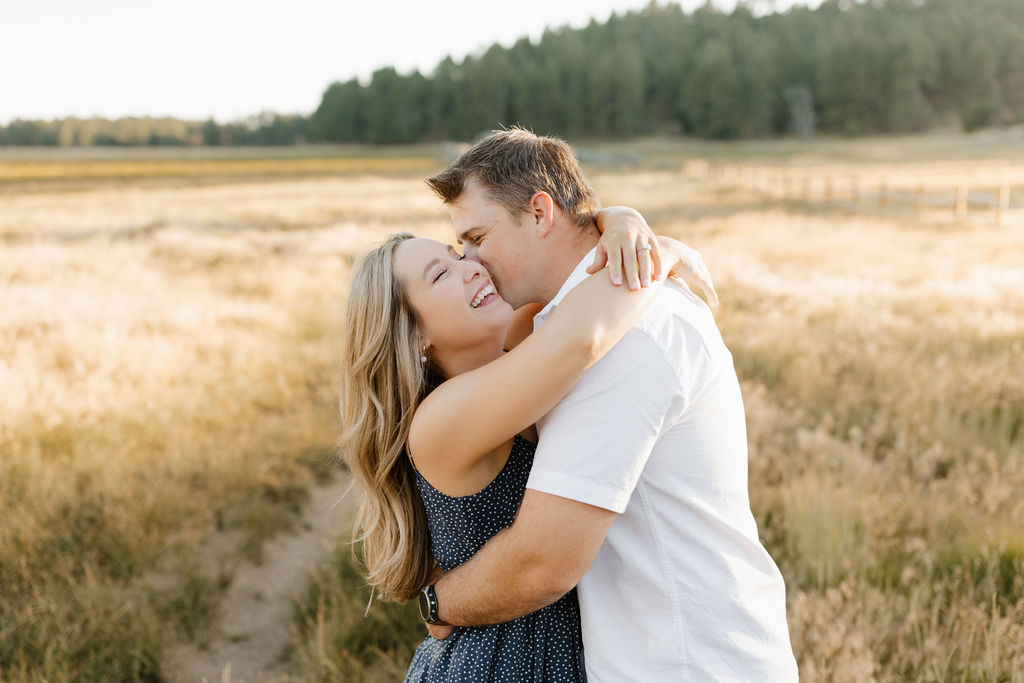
(383,382)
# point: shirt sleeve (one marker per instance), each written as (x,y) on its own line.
(594,444)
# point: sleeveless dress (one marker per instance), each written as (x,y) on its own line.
(545,646)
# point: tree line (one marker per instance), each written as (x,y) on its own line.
(266,129)
(846,67)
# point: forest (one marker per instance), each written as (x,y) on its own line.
(844,68)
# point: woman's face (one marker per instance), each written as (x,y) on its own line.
(460,311)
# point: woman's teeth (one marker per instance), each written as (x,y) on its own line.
(481,295)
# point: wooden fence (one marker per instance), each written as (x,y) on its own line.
(961,201)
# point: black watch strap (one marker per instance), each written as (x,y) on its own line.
(428,605)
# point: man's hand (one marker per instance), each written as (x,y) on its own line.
(439,631)
(628,247)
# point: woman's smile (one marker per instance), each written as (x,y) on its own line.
(487,295)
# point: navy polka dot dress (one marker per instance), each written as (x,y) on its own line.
(545,646)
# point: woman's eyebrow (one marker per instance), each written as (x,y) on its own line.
(431,264)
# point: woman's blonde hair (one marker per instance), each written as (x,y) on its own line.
(383,382)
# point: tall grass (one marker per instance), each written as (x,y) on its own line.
(167,357)
(881,363)
(340,637)
(885,396)
(158,385)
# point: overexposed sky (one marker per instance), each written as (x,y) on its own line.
(231,58)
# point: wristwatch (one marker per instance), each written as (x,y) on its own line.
(428,605)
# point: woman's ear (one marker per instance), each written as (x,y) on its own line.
(542,210)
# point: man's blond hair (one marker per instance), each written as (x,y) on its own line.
(514,164)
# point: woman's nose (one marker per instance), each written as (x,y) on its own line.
(472,269)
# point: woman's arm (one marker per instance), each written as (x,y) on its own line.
(522,325)
(468,416)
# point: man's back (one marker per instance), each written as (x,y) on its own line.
(681,589)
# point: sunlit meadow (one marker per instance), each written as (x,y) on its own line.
(168,352)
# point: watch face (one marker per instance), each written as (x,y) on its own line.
(424,605)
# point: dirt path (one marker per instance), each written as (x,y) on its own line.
(251,629)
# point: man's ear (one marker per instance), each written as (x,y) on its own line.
(542,210)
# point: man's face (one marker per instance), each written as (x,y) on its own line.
(504,244)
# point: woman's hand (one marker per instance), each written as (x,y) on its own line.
(440,631)
(627,246)
(624,231)
(689,267)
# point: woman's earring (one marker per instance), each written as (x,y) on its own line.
(423,358)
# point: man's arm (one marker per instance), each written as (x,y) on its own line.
(527,566)
(593,446)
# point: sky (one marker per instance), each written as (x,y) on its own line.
(228,59)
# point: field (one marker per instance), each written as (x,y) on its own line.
(168,357)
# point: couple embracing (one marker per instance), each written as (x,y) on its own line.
(552,463)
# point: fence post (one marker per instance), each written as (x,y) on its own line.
(919,200)
(960,207)
(854,189)
(1002,204)
(882,198)
(828,188)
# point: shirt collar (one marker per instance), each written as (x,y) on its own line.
(578,275)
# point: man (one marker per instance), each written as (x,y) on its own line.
(638,491)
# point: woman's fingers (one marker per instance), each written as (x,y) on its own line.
(656,262)
(695,272)
(440,631)
(623,231)
(706,285)
(644,261)
(615,265)
(600,259)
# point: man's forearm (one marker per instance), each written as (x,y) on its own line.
(498,584)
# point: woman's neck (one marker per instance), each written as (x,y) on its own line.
(467,360)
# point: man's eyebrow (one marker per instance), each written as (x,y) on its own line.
(465,233)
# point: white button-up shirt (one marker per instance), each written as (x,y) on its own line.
(681,589)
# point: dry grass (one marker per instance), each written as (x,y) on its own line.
(167,354)
(117,169)
(159,384)
(884,384)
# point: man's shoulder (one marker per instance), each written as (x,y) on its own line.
(681,325)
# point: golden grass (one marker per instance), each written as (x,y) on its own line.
(168,356)
(881,362)
(182,168)
(157,385)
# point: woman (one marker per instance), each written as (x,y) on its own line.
(438,415)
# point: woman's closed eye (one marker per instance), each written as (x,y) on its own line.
(442,271)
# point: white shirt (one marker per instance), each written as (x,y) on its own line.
(681,589)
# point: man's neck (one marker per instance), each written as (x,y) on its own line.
(568,257)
